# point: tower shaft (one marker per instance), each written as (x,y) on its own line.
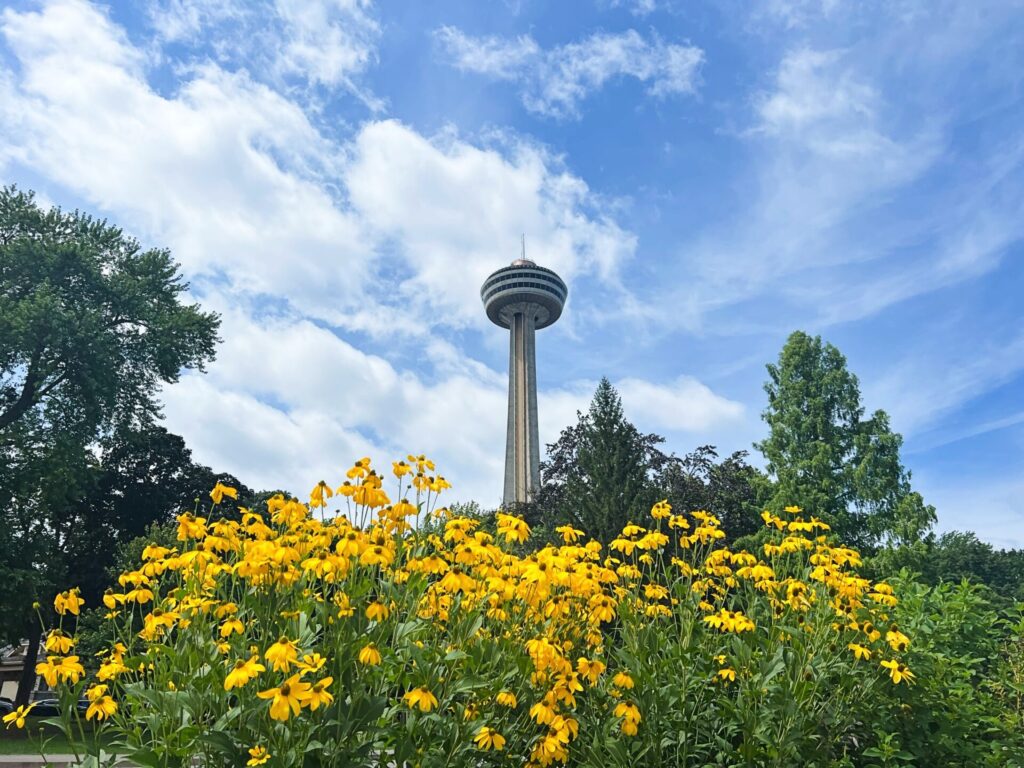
(523,298)
(522,450)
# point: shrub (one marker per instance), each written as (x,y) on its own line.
(400,634)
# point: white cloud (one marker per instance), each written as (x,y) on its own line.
(555,81)
(825,161)
(822,104)
(233,177)
(456,212)
(282,228)
(686,405)
(939,377)
(288,403)
(177,20)
(327,41)
(796,13)
(497,57)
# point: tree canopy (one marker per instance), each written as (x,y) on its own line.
(600,472)
(827,457)
(730,489)
(90,323)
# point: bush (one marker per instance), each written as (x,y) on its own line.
(401,634)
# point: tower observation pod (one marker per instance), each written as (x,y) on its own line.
(523,298)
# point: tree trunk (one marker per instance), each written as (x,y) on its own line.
(28,672)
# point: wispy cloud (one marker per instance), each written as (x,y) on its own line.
(554,82)
(940,378)
(249,187)
(319,43)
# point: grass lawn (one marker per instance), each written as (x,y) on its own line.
(28,741)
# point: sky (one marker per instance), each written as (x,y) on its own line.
(338,177)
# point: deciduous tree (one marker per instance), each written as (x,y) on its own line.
(830,460)
(91,325)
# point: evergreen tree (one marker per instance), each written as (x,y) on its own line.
(830,460)
(600,472)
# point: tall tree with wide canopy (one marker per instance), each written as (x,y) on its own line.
(827,457)
(91,325)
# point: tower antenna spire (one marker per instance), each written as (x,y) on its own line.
(523,239)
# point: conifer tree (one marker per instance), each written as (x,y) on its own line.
(599,474)
(828,458)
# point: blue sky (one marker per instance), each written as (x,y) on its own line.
(337,178)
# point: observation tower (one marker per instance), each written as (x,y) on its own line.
(523,298)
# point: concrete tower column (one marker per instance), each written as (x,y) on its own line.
(523,298)
(522,444)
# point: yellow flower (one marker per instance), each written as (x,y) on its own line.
(64,669)
(727,673)
(318,694)
(257,756)
(369,655)
(729,621)
(420,697)
(282,654)
(377,555)
(859,651)
(319,495)
(569,534)
(661,510)
(58,642)
(243,672)
(110,669)
(377,611)
(230,626)
(622,680)
(101,705)
(191,527)
(542,713)
(359,469)
(17,717)
(68,602)
(312,662)
(898,672)
(513,528)
(630,717)
(488,738)
(591,670)
(507,699)
(287,699)
(897,640)
(220,491)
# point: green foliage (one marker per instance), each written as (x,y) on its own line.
(961,708)
(955,556)
(731,489)
(91,325)
(827,458)
(600,472)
